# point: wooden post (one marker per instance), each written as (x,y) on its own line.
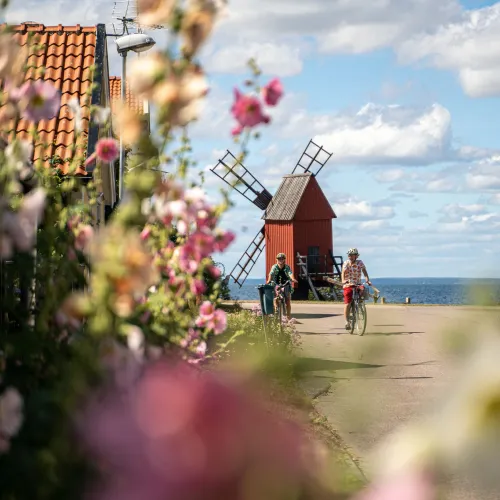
(375,299)
(382,300)
(408,300)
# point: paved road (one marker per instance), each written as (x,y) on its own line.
(386,377)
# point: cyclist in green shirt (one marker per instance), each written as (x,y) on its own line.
(281,273)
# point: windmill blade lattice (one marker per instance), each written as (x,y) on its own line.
(313,159)
(249,258)
(236,175)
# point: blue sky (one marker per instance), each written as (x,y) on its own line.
(402,92)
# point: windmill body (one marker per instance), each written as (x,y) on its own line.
(297,221)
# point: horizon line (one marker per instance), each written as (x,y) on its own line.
(416,278)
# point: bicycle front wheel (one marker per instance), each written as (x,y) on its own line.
(352,317)
(359,326)
(279,316)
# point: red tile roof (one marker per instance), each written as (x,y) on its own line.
(133,102)
(66,57)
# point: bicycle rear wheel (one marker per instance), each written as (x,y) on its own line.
(360,319)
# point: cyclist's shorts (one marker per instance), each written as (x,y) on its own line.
(348,294)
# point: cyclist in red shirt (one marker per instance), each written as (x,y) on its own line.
(351,276)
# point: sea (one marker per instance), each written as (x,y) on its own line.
(448,291)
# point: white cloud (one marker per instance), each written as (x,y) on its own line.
(485,175)
(280,34)
(457,212)
(391,134)
(444,181)
(495,199)
(480,176)
(392,175)
(362,210)
(375,225)
(352,26)
(277,59)
(215,121)
(377,134)
(65,12)
(468,46)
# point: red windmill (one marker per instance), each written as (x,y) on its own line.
(298,220)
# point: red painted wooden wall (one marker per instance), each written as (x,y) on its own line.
(313,205)
(311,226)
(279,238)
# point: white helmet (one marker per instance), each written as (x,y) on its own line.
(352,251)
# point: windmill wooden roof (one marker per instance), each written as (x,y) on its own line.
(299,197)
(65,59)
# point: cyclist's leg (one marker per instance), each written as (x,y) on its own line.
(288,302)
(347,304)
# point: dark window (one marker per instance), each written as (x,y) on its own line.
(313,259)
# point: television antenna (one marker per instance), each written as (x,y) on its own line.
(125,19)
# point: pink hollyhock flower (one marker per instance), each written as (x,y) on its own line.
(83,236)
(207,309)
(178,432)
(247,111)
(219,322)
(201,349)
(223,240)
(145,233)
(38,100)
(198,246)
(90,160)
(198,287)
(11,416)
(188,265)
(195,196)
(413,485)
(214,271)
(74,222)
(182,227)
(206,219)
(176,208)
(236,130)
(19,228)
(173,279)
(211,318)
(190,337)
(273,92)
(107,149)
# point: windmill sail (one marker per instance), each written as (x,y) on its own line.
(247,261)
(236,175)
(313,159)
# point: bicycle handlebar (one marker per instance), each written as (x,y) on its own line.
(282,285)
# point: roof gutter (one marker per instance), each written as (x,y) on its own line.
(95,99)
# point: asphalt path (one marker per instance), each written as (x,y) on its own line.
(374,383)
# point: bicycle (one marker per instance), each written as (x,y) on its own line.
(280,303)
(357,313)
